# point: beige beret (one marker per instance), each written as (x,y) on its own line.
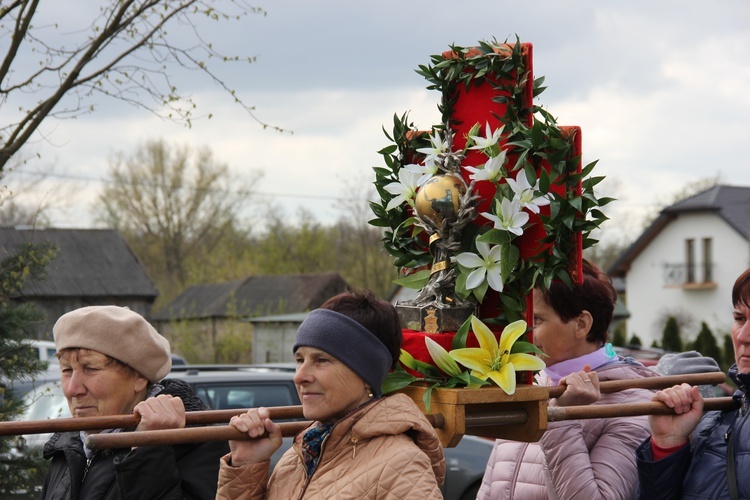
(119,333)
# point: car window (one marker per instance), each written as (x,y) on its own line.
(51,355)
(231,396)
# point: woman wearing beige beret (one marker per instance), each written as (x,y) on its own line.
(112,362)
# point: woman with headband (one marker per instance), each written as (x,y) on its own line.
(361,444)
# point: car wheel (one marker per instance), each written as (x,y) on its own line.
(471,492)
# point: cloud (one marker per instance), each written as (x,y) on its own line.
(659,90)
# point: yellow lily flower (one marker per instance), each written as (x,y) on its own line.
(442,358)
(492,359)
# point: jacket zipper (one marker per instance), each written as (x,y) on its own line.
(354,441)
(513,480)
(86,469)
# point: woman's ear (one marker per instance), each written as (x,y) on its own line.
(583,324)
(140,383)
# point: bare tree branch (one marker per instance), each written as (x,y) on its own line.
(124,53)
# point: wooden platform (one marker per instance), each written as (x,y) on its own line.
(486,411)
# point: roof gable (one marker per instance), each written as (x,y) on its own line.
(89,263)
(254,296)
(731,203)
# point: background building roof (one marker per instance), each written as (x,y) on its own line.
(254,296)
(89,263)
(731,203)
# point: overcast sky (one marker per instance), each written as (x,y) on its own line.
(660,89)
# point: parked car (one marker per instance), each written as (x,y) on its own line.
(45,401)
(45,350)
(246,386)
(26,384)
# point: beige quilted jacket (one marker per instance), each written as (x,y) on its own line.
(384,450)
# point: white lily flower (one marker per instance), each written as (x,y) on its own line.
(492,170)
(487,263)
(438,146)
(511,217)
(404,190)
(490,140)
(525,193)
(426,171)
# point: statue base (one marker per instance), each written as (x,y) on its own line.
(430,318)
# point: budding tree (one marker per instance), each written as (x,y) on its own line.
(174,205)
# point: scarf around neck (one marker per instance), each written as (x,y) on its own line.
(311,444)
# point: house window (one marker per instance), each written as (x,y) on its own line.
(707,260)
(690,261)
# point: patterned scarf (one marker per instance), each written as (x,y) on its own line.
(311,443)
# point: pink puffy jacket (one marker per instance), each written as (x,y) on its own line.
(575,459)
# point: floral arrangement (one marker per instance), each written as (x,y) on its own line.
(522,162)
(541,207)
(495,359)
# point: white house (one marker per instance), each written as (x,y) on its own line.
(685,263)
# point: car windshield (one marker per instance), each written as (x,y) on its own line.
(236,396)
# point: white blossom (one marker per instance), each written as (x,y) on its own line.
(511,218)
(525,193)
(486,264)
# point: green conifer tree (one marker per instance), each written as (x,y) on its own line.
(671,340)
(20,473)
(705,343)
(635,340)
(618,338)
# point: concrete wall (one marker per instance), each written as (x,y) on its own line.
(273,341)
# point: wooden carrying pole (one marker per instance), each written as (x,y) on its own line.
(662,382)
(206,417)
(474,420)
(288,429)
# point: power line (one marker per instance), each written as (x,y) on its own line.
(146,183)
